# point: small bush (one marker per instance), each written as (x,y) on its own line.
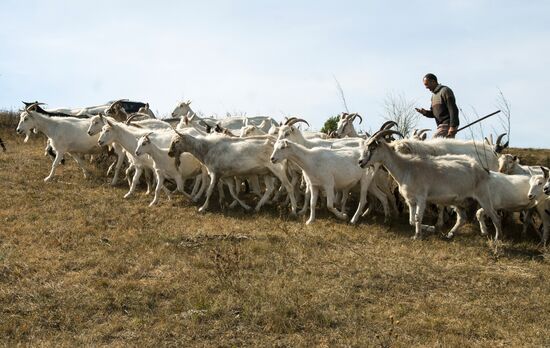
(330,125)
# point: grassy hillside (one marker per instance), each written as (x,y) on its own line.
(79,265)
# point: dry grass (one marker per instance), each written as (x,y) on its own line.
(79,265)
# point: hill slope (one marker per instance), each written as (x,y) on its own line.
(81,265)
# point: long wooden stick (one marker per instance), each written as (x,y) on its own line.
(478,120)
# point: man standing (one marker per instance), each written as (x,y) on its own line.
(443,108)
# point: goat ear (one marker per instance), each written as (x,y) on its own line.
(147,105)
(515,158)
(544,172)
(108,122)
(285,144)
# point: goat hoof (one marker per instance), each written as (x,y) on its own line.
(309,222)
(450,235)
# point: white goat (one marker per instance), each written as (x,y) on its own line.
(165,167)
(345,128)
(509,164)
(66,134)
(445,180)
(97,123)
(289,132)
(328,170)
(84,111)
(127,137)
(232,157)
(231,123)
(508,193)
(479,151)
(538,194)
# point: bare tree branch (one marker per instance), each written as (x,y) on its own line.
(504,105)
(341,92)
(397,108)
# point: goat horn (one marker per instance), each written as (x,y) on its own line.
(498,146)
(289,119)
(27,104)
(296,120)
(422,131)
(499,139)
(388,125)
(129,119)
(384,132)
(360,118)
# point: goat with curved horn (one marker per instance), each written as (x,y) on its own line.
(355,115)
(500,147)
(27,104)
(130,118)
(287,120)
(388,125)
(295,120)
(384,133)
(422,131)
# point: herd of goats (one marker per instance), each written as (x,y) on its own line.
(280,163)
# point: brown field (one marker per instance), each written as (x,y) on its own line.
(79,265)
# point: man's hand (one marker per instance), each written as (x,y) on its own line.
(451,132)
(422,111)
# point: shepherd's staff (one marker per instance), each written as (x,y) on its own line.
(479,120)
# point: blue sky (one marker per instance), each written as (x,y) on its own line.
(280,57)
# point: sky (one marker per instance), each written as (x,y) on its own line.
(281,58)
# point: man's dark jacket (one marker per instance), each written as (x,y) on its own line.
(444,108)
